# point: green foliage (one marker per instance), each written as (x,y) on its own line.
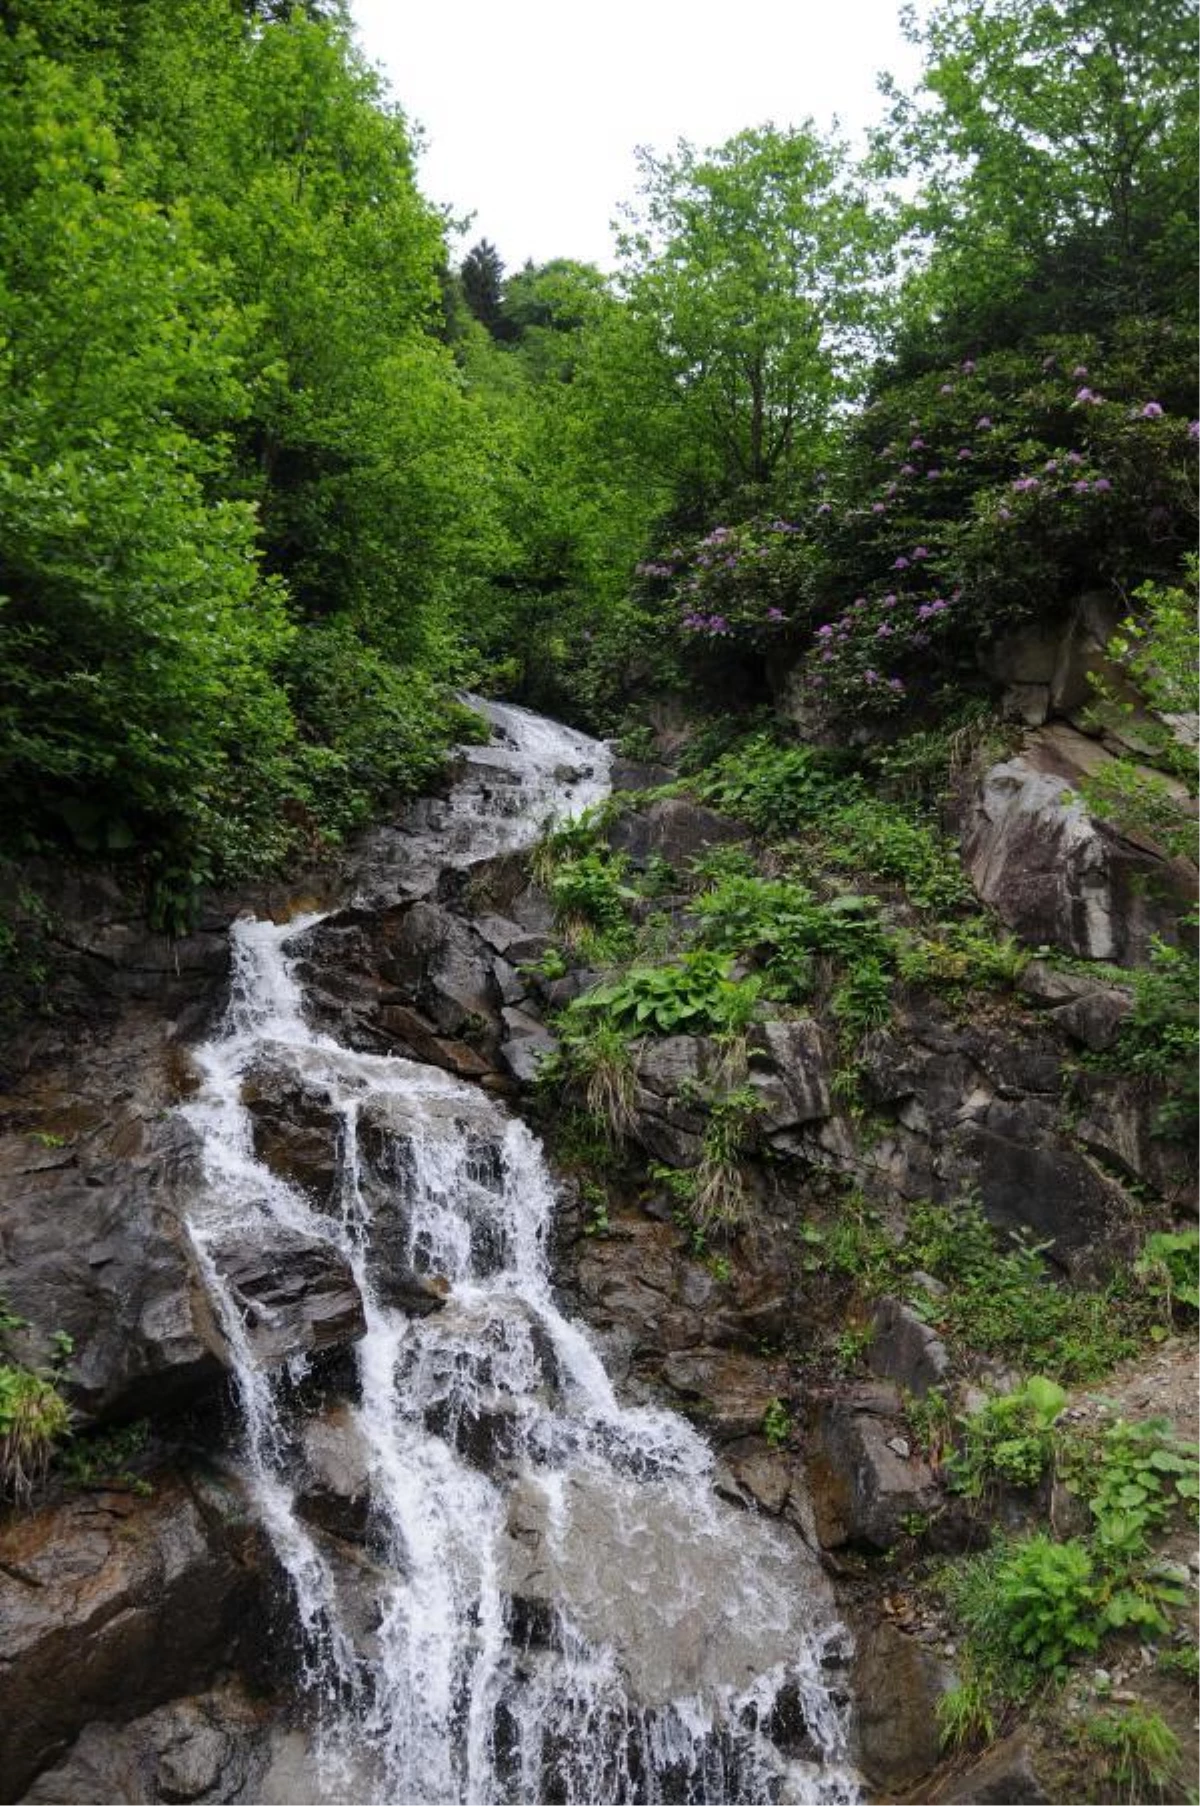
(107,1459)
(999,1298)
(1169,1264)
(1160,1038)
(777,1424)
(693,995)
(775,789)
(1056,162)
(1031,1608)
(1133,1476)
(234,476)
(1009,1438)
(596,1053)
(33,1417)
(782,926)
(746,264)
(719,1194)
(965,1716)
(1140,1750)
(590,897)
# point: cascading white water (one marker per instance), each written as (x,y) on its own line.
(553,1604)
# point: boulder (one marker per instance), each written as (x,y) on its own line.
(334,1491)
(91,1246)
(865,1493)
(1057,875)
(675,830)
(111,1605)
(295,1295)
(1030,1177)
(1118,1119)
(295,1127)
(904,1349)
(1090,1012)
(896,1684)
(791,1074)
(730,1392)
(208,1746)
(1003,1776)
(413,978)
(526,1044)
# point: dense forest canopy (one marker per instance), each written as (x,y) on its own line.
(276,479)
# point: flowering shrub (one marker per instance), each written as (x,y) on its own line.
(740,584)
(971,500)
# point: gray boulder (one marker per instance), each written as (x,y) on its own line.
(91,1246)
(865,1493)
(675,830)
(1057,875)
(208,1746)
(111,1605)
(296,1295)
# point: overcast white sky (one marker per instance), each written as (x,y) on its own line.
(532,109)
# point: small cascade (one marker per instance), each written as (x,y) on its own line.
(547,1601)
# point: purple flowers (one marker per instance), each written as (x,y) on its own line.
(878,508)
(908,470)
(931,476)
(968,366)
(824,508)
(1101,485)
(775,614)
(983,423)
(1194,429)
(928,610)
(1079,373)
(917,444)
(825,633)
(1152,411)
(920,552)
(1085,396)
(654,570)
(901,563)
(1023,484)
(964,451)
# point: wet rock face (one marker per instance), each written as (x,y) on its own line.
(112,1604)
(91,1245)
(414,980)
(1054,873)
(208,1746)
(296,1297)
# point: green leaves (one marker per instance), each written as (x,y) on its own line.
(748,264)
(695,995)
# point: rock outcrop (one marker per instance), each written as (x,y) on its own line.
(111,1605)
(1056,874)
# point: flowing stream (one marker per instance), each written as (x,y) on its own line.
(548,1601)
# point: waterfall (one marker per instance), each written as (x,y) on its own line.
(550,1601)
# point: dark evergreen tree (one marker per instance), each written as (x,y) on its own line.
(482,277)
